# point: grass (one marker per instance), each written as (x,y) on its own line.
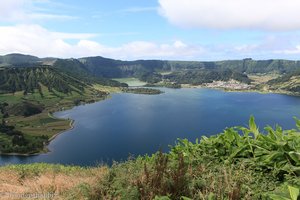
(262,78)
(12,98)
(260,81)
(294,81)
(107,89)
(61,182)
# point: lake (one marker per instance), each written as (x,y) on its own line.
(133,124)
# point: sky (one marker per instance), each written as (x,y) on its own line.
(152,29)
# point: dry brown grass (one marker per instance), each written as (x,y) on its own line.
(14,185)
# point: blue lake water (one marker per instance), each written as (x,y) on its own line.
(133,124)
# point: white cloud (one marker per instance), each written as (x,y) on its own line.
(27,11)
(175,50)
(43,16)
(139,9)
(292,51)
(279,15)
(11,10)
(36,40)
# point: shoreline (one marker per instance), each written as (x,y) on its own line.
(71,126)
(242,90)
(45,148)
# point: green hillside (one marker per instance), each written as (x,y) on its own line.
(197,77)
(18,60)
(109,68)
(28,97)
(250,66)
(82,72)
(101,70)
(289,82)
(118,69)
(30,79)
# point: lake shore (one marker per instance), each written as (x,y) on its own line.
(242,90)
(45,150)
(50,115)
(71,124)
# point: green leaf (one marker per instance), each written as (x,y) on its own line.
(295,156)
(271,132)
(277,197)
(211,196)
(297,122)
(253,127)
(185,198)
(294,192)
(162,198)
(238,151)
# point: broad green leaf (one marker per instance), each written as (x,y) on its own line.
(185,198)
(211,196)
(295,156)
(277,197)
(297,122)
(237,151)
(162,198)
(271,132)
(253,127)
(271,159)
(294,192)
(279,132)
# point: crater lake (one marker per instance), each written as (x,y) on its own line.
(133,124)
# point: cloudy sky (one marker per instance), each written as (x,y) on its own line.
(152,29)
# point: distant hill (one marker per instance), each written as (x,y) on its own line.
(198,77)
(101,70)
(30,79)
(110,68)
(82,72)
(248,66)
(18,59)
(116,68)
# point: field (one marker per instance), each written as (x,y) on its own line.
(107,89)
(262,78)
(39,127)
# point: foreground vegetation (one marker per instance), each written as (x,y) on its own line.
(240,163)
